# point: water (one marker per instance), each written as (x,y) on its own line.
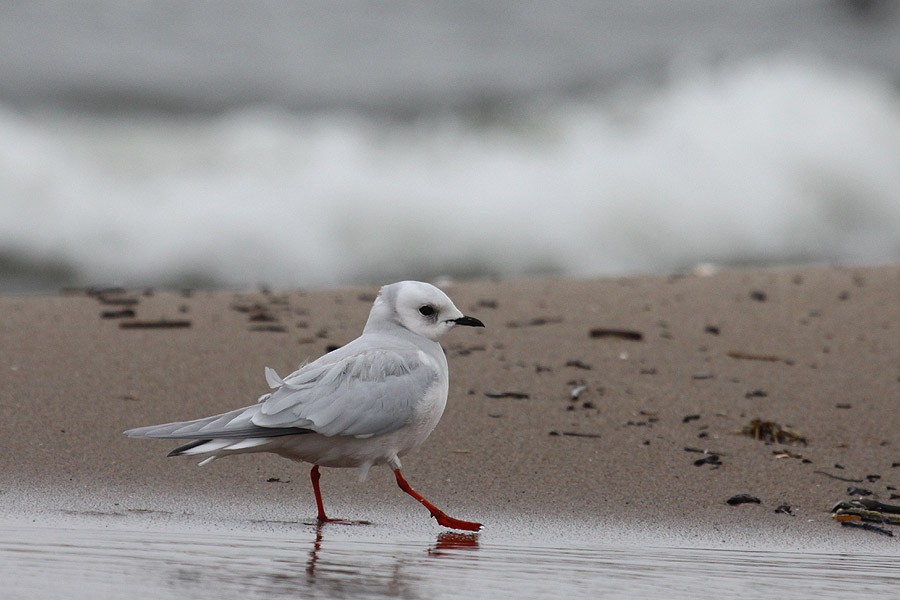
(297,145)
(113,560)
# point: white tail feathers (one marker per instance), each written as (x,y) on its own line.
(223,446)
(210,446)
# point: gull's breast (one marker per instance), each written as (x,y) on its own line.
(430,407)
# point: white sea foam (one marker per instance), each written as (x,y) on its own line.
(767,161)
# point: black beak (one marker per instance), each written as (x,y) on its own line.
(468,321)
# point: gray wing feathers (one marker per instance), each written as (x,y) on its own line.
(361,394)
(232,425)
(347,392)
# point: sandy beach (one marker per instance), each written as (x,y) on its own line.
(596,401)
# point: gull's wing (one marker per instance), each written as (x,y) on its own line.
(365,388)
(362,389)
(233,425)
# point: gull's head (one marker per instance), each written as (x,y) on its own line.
(419,307)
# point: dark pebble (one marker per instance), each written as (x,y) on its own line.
(710,459)
(126,313)
(268,328)
(622,334)
(163,324)
(578,364)
(742,499)
(516,395)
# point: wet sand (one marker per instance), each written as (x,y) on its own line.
(587,401)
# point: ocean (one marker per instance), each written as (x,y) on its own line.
(232,145)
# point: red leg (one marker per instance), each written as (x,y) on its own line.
(314,475)
(442,518)
(322,518)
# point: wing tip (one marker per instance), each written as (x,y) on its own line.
(137,432)
(180,450)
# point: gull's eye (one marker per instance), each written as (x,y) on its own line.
(426,311)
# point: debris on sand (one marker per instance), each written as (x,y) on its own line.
(784,453)
(534,322)
(621,334)
(772,432)
(160,324)
(574,434)
(507,394)
(742,355)
(709,459)
(743,499)
(863,512)
(785,509)
(578,364)
(125,313)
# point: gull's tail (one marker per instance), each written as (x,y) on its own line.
(229,432)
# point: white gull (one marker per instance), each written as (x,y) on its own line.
(367,403)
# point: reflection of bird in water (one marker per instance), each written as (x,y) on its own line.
(453,540)
(446,540)
(314,554)
(341,568)
(364,404)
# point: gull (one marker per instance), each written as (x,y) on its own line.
(364,404)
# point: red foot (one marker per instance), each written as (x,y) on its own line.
(442,518)
(452,523)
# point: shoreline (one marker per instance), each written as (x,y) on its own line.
(583,400)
